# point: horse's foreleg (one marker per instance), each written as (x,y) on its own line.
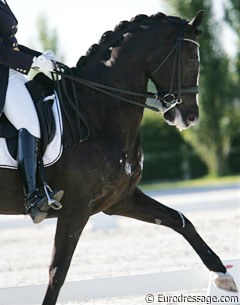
(67,235)
(142,207)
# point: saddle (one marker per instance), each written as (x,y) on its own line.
(47,106)
(41,90)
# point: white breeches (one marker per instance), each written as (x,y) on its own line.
(19,107)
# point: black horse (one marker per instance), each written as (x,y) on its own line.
(101,173)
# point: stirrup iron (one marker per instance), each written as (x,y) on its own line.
(55,205)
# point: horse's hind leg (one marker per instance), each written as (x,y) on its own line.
(69,229)
(142,207)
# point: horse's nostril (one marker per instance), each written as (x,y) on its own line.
(192,118)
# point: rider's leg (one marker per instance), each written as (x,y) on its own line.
(20,111)
(19,107)
(36,202)
(28,146)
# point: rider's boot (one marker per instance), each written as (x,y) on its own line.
(36,204)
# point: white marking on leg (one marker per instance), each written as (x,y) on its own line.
(182,217)
(53,271)
(158,221)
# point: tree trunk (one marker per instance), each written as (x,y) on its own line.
(218,163)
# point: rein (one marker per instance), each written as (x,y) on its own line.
(161,104)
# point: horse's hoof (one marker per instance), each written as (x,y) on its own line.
(225,281)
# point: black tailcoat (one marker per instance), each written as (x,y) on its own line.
(12,55)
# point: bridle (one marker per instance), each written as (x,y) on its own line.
(162,101)
(171,97)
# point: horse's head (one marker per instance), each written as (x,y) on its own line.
(161,48)
(174,69)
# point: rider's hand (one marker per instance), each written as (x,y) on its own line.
(43,64)
(49,54)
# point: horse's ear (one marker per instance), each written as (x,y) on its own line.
(197,20)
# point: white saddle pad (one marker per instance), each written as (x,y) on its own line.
(53,151)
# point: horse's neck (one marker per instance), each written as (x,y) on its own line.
(122,74)
(110,116)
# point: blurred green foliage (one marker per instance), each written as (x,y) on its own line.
(232,16)
(213,137)
(48,38)
(166,155)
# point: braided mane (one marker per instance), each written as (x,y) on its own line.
(111,39)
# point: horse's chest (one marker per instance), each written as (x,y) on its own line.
(130,168)
(125,168)
(118,178)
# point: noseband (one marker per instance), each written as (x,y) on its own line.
(164,100)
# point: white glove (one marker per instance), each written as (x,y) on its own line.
(49,54)
(43,64)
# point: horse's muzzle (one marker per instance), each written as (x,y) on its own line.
(174,117)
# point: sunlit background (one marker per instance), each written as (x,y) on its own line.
(79,24)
